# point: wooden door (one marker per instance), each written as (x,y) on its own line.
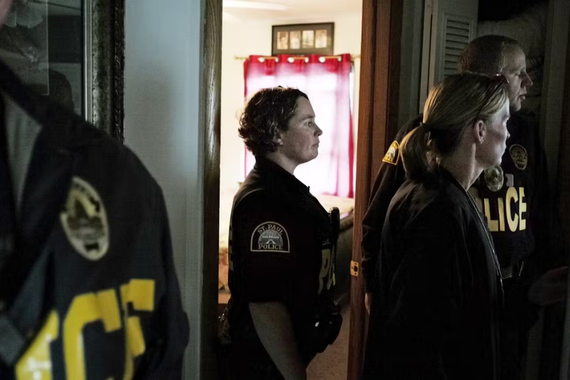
(378,112)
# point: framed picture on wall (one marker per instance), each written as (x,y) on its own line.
(303,39)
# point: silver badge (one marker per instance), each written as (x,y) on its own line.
(519,156)
(494,178)
(84,220)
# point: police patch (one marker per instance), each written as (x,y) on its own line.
(392,155)
(494,178)
(270,237)
(84,220)
(519,156)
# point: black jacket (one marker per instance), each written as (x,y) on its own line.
(515,200)
(94,267)
(280,250)
(437,303)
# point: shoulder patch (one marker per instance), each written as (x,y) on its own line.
(519,156)
(84,220)
(392,155)
(270,237)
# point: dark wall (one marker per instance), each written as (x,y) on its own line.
(495,10)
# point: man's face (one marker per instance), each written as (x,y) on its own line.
(515,72)
(4,8)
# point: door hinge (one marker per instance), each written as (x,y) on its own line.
(354,268)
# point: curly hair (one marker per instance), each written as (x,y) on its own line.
(267,113)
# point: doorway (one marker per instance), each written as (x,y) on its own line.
(247,37)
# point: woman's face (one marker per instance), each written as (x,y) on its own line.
(300,143)
(494,141)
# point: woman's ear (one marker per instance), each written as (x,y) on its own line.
(479,131)
(278,139)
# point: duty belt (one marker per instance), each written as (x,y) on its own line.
(512,271)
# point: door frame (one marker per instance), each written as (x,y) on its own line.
(377,125)
(210,157)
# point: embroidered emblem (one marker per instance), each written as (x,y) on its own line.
(392,155)
(494,178)
(84,220)
(519,156)
(270,237)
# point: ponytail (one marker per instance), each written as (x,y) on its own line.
(414,150)
(452,106)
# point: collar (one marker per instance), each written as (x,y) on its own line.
(279,176)
(442,173)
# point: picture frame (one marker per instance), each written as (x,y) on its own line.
(303,39)
(73,52)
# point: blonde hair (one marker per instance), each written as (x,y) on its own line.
(452,105)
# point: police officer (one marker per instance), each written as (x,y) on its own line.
(514,197)
(435,310)
(88,288)
(281,245)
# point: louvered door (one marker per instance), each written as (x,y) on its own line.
(458,31)
(449,25)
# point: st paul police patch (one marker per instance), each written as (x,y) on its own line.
(392,155)
(84,220)
(519,156)
(270,237)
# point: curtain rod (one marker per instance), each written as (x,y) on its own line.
(352,57)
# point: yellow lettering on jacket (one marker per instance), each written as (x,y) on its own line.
(100,307)
(516,221)
(512,220)
(522,208)
(36,361)
(139,293)
(85,309)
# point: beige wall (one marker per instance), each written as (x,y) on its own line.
(242,39)
(163,120)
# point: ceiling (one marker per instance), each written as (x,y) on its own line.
(288,10)
(245,10)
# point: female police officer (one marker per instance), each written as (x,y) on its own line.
(438,293)
(280,245)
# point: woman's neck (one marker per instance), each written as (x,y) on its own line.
(282,161)
(463,167)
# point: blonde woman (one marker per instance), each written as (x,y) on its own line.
(438,293)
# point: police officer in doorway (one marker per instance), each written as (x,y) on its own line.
(281,246)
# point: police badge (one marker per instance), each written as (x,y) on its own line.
(494,178)
(519,156)
(84,220)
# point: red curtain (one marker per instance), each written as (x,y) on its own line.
(327,83)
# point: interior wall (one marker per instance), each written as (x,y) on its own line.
(242,39)
(163,113)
